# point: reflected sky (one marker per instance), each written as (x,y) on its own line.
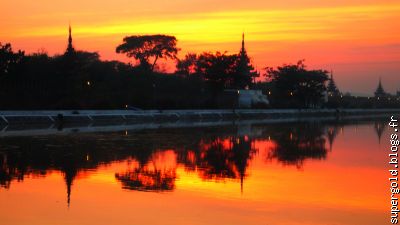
(290,173)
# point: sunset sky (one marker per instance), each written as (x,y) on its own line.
(358,39)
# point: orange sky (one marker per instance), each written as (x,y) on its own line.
(358,39)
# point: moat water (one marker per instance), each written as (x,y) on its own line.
(276,174)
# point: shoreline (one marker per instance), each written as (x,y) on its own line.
(29,123)
(141,116)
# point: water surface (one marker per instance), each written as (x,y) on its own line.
(289,173)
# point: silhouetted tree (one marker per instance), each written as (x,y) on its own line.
(9,60)
(144,47)
(187,65)
(298,86)
(218,69)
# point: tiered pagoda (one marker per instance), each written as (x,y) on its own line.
(380,92)
(332,89)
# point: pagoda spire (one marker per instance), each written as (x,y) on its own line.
(243,49)
(332,89)
(380,83)
(380,92)
(243,53)
(244,70)
(70,48)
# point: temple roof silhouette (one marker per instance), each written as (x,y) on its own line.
(380,92)
(70,48)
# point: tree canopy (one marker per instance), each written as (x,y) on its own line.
(217,68)
(147,47)
(9,59)
(296,85)
(222,70)
(187,65)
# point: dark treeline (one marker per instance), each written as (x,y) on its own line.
(80,80)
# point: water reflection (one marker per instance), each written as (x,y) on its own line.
(222,157)
(142,179)
(379,129)
(213,153)
(294,144)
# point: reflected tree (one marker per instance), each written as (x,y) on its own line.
(144,179)
(294,144)
(221,158)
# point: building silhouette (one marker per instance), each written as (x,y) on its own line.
(70,49)
(245,71)
(380,92)
(332,89)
